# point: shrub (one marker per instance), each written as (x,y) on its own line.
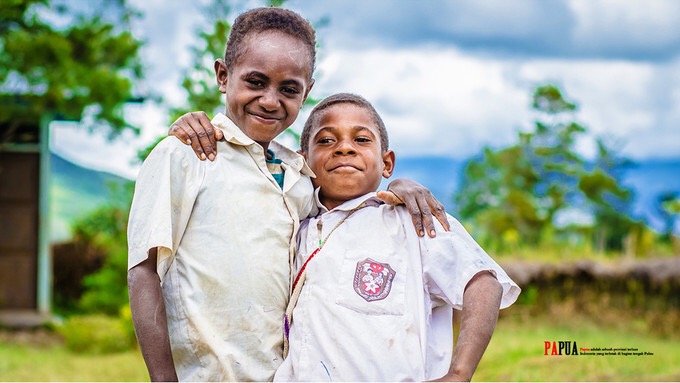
(96,334)
(104,230)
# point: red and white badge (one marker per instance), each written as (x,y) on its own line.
(373,280)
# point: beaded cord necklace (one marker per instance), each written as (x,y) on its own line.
(302,276)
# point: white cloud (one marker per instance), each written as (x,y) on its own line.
(447,102)
(169,31)
(95,151)
(620,100)
(622,24)
(434,101)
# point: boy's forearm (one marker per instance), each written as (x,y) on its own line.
(150,320)
(481,302)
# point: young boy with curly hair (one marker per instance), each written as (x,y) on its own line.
(372,301)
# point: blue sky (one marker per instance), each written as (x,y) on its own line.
(450,77)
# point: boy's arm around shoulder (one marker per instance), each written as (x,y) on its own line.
(150,320)
(197,130)
(420,203)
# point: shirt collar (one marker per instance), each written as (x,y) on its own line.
(231,132)
(370,199)
(234,135)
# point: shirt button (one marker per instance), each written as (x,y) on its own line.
(257,150)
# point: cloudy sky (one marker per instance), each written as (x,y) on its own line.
(450,77)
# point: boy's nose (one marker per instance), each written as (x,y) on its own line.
(344,147)
(269,100)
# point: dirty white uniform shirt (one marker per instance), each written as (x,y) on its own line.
(377,301)
(226,236)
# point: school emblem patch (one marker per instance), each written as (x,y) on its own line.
(373,280)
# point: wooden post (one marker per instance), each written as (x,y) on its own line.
(44,288)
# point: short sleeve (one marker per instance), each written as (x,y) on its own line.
(451,259)
(165,191)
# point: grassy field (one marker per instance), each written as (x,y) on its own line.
(22,362)
(516,353)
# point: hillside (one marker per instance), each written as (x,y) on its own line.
(648,179)
(75,190)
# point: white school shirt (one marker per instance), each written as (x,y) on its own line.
(377,301)
(226,236)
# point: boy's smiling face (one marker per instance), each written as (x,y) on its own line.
(345,154)
(267,85)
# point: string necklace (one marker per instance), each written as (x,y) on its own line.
(302,275)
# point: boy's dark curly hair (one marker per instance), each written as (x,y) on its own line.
(266,19)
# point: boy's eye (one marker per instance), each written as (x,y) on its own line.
(291,91)
(325,140)
(255,82)
(363,139)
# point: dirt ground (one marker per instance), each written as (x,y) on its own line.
(37,337)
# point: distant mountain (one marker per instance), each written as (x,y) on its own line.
(75,190)
(440,174)
(648,179)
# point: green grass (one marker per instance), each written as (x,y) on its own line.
(516,353)
(53,363)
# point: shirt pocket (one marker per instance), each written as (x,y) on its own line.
(372,283)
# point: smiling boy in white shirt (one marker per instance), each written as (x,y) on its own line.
(372,301)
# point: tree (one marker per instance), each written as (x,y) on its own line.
(84,69)
(668,209)
(522,191)
(105,230)
(609,201)
(199,80)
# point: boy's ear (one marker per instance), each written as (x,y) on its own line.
(388,163)
(221,75)
(303,154)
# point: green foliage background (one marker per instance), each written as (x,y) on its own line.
(83,70)
(514,195)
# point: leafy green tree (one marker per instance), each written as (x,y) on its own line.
(668,209)
(609,200)
(82,66)
(518,192)
(199,79)
(74,60)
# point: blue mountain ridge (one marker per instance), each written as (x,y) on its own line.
(74,191)
(647,178)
